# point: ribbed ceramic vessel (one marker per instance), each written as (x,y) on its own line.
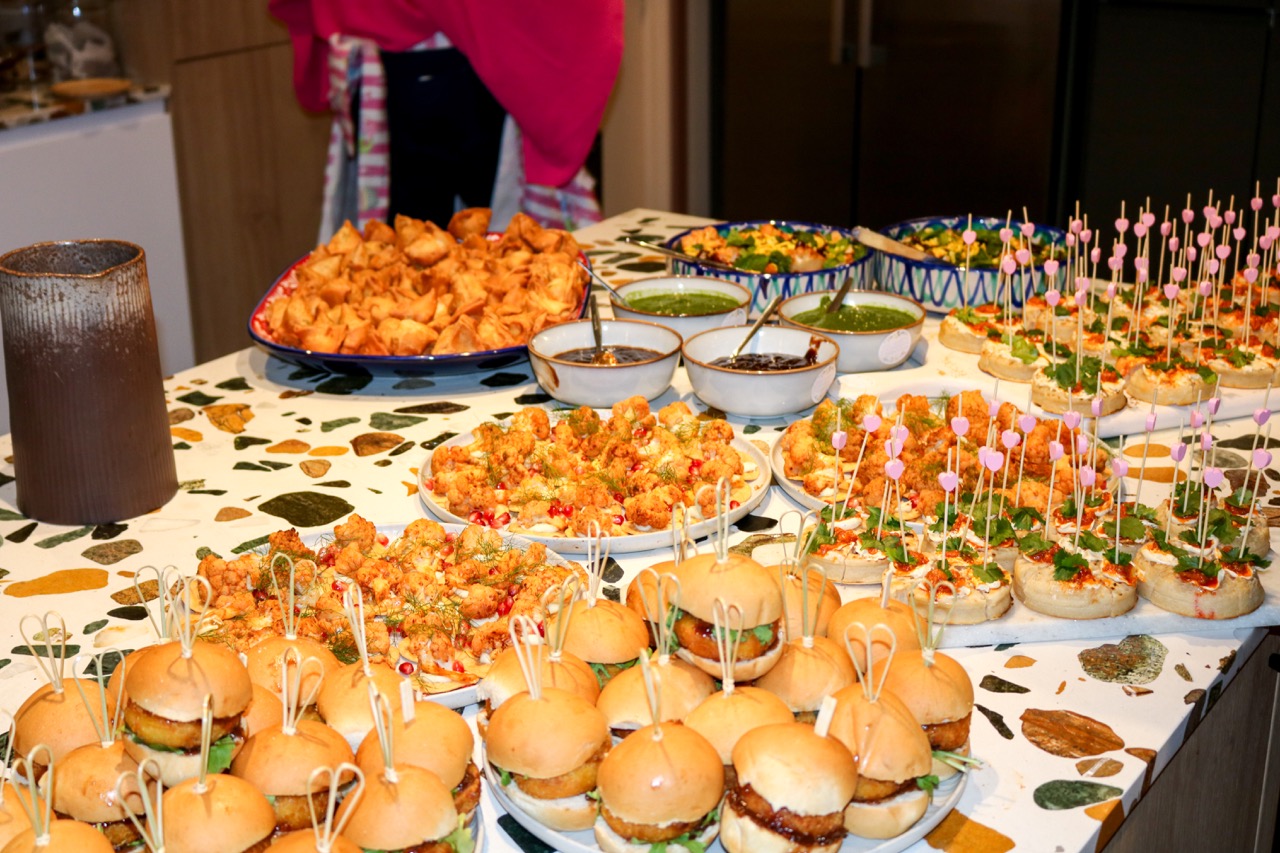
(86,396)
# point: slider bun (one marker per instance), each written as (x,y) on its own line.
(738,580)
(886,818)
(280,764)
(63,835)
(165,683)
(725,717)
(416,808)
(264,711)
(889,743)
(793,767)
(84,784)
(230,816)
(823,601)
(868,612)
(58,720)
(505,677)
(940,692)
(343,702)
(682,687)
(265,662)
(437,739)
(546,737)
(678,778)
(607,632)
(567,814)
(804,676)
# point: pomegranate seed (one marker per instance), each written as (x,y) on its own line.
(429,484)
(338,586)
(504,606)
(382,539)
(501,520)
(476,516)
(458,667)
(513,590)
(619,519)
(406,668)
(636,467)
(501,487)
(617,497)
(734,504)
(542,628)
(446,549)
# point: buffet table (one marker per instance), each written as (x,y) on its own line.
(1072,733)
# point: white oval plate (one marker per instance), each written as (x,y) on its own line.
(617,544)
(585,841)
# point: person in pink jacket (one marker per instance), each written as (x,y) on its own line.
(430,96)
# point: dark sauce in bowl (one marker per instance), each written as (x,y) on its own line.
(771,360)
(621,355)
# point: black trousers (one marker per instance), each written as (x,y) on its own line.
(445,132)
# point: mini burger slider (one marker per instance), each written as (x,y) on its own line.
(166,690)
(660,786)
(792,788)
(740,582)
(546,751)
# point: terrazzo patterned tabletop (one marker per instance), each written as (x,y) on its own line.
(1071,732)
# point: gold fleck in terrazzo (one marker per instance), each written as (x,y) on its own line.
(59,583)
(959,833)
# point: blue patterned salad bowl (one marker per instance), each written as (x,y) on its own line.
(764,286)
(940,287)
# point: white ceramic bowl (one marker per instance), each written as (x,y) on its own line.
(687,325)
(602,385)
(760,393)
(862,352)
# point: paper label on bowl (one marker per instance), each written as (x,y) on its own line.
(820,385)
(895,347)
(736,317)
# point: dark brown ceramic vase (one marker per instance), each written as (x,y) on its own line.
(86,396)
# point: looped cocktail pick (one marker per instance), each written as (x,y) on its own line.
(792,553)
(657,599)
(39,808)
(869,690)
(726,622)
(51,664)
(809,615)
(353,608)
(722,520)
(653,693)
(206,741)
(293,700)
(165,580)
(596,553)
(527,645)
(382,719)
(183,598)
(288,613)
(936,616)
(105,723)
(563,595)
(152,830)
(325,829)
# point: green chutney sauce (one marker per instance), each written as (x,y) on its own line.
(855,318)
(687,304)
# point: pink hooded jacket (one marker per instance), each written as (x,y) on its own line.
(550,63)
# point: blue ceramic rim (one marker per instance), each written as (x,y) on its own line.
(907,226)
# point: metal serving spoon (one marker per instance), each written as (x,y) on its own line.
(760,321)
(606,285)
(601,355)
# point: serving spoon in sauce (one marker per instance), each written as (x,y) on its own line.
(755,327)
(601,355)
(617,294)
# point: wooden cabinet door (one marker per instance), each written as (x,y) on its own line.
(251,173)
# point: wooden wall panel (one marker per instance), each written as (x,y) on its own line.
(250,168)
